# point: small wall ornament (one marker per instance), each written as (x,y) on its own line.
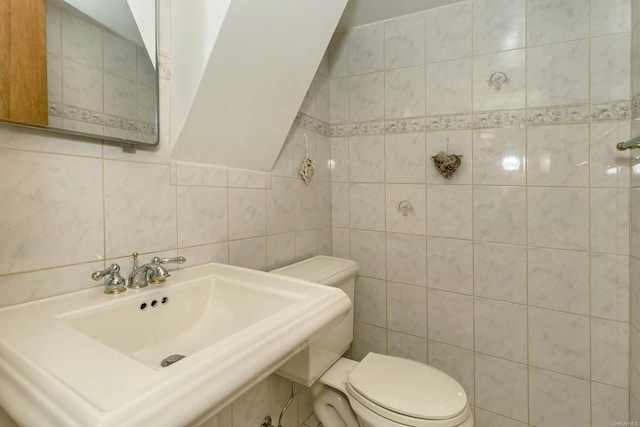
(498,79)
(307,168)
(447,164)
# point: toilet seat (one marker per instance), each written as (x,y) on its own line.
(407,392)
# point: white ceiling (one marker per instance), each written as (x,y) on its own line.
(361,12)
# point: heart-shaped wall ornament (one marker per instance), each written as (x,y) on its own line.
(447,164)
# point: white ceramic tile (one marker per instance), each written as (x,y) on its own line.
(54,29)
(368,250)
(609,167)
(200,174)
(54,79)
(489,419)
(559,341)
(323,213)
(339,159)
(610,16)
(250,253)
(448,32)
(556,399)
(82,86)
(249,409)
(500,272)
(81,41)
(610,220)
(366,206)
(339,100)
(367,338)
(366,49)
(407,309)
(407,346)
(510,95)
(549,21)
(280,250)
(635,293)
(340,245)
(456,362)
(247,217)
(242,178)
(119,56)
(634,377)
(366,158)
(558,217)
(499,156)
(404,41)
(305,204)
(449,87)
(449,208)
(499,214)
(634,407)
(306,244)
(407,259)
(197,255)
(284,163)
(120,97)
(414,222)
(610,67)
(371,301)
(146,72)
(340,204)
(404,158)
(405,92)
(279,392)
(610,352)
(202,215)
(452,142)
(323,158)
(501,386)
(498,25)
(635,13)
(322,98)
(608,404)
(501,329)
(635,223)
(559,280)
(450,265)
(610,286)
(134,188)
(13,137)
(635,60)
(450,318)
(366,97)
(325,244)
(280,206)
(338,51)
(558,74)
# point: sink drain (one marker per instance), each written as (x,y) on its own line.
(171,360)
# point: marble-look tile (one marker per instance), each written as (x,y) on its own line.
(81,41)
(306,244)
(338,52)
(407,259)
(404,41)
(321,84)
(558,155)
(610,220)
(510,95)
(54,80)
(339,159)
(450,265)
(325,244)
(54,29)
(366,158)
(610,67)
(499,214)
(550,21)
(558,217)
(559,341)
(610,286)
(284,163)
(305,204)
(556,399)
(247,216)
(368,250)
(305,405)
(500,272)
(558,74)
(489,419)
(323,158)
(610,352)
(280,202)
(82,86)
(499,156)
(454,142)
(404,158)
(449,87)
(501,386)
(635,223)
(634,372)
(635,60)
(450,318)
(120,97)
(119,56)
(635,293)
(340,242)
(202,215)
(414,222)
(609,404)
(242,178)
(405,92)
(407,309)
(448,32)
(456,362)
(609,167)
(339,100)
(450,211)
(31,139)
(366,339)
(498,25)
(200,174)
(366,49)
(634,407)
(280,250)
(197,255)
(249,409)
(371,301)
(323,214)
(366,206)
(610,17)
(559,280)
(250,253)
(339,204)
(407,346)
(279,392)
(366,97)
(501,329)
(143,191)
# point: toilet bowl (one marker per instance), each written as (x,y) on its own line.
(380,390)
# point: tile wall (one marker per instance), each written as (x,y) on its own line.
(513,275)
(98,82)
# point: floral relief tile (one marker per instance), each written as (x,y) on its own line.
(414,221)
(489,95)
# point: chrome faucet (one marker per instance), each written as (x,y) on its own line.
(114,283)
(152,272)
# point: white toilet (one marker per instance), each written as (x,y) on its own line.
(379,391)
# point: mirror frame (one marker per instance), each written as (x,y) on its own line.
(126,143)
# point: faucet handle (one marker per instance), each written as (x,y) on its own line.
(174,260)
(114,283)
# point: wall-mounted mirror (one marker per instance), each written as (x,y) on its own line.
(84,67)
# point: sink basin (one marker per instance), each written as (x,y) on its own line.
(87,358)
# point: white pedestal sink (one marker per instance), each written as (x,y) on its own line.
(90,359)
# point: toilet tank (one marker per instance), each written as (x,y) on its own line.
(309,364)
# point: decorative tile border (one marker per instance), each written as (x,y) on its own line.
(94,117)
(615,111)
(450,122)
(558,115)
(499,119)
(635,107)
(366,128)
(404,125)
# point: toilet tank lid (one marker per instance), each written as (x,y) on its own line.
(321,269)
